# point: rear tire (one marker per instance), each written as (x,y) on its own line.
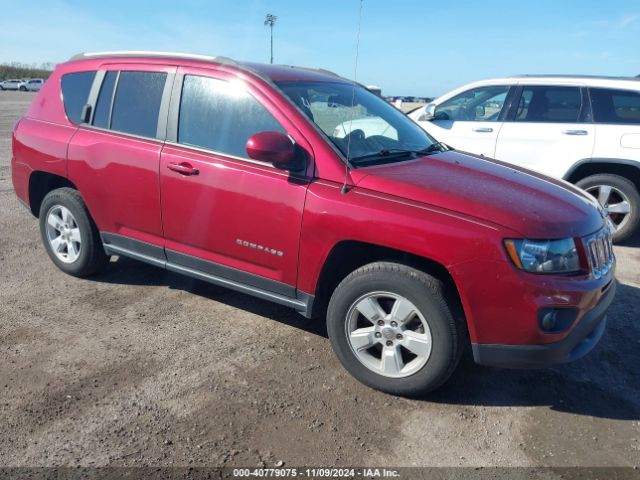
(618,194)
(70,236)
(23,89)
(408,343)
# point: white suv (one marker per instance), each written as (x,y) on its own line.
(33,85)
(585,130)
(11,84)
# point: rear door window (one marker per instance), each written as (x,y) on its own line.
(75,92)
(615,106)
(549,104)
(136,104)
(220,116)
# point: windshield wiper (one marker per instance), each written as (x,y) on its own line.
(401,152)
(386,153)
(436,147)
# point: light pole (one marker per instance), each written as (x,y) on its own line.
(270,21)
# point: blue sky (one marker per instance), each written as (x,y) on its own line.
(407,47)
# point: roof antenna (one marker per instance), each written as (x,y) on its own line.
(353,101)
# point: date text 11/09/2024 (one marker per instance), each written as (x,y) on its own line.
(317,472)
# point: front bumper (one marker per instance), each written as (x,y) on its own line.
(582,339)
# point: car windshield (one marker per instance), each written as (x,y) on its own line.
(364,127)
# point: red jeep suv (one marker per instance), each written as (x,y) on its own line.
(253,177)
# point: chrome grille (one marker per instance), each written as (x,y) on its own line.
(599,249)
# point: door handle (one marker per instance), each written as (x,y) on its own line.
(483,129)
(183,168)
(575,132)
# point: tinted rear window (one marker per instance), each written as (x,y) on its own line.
(137,103)
(75,92)
(615,106)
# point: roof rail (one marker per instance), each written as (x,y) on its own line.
(594,77)
(152,54)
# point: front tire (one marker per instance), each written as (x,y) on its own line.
(392,328)
(23,89)
(620,199)
(70,236)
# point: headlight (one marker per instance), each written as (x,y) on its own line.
(544,256)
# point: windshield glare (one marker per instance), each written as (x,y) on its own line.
(358,122)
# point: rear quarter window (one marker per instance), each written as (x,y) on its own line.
(615,106)
(75,92)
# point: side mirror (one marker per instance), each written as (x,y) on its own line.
(429,113)
(480,111)
(271,147)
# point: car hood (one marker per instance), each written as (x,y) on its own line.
(536,206)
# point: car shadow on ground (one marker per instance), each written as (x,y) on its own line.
(125,271)
(606,383)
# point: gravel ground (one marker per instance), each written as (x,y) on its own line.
(138,366)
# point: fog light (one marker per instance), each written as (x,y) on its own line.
(554,320)
(548,321)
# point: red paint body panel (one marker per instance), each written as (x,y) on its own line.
(118,178)
(450,208)
(229,200)
(532,205)
(38,146)
(503,302)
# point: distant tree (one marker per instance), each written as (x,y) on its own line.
(21,70)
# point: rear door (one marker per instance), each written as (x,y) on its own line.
(471,120)
(616,114)
(115,155)
(548,129)
(231,216)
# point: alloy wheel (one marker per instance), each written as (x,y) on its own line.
(63,234)
(388,334)
(614,202)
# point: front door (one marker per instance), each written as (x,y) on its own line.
(223,213)
(471,120)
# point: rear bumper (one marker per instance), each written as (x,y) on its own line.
(583,338)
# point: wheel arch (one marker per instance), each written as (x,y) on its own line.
(592,166)
(349,255)
(41,183)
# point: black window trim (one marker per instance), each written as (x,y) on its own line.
(585,114)
(508,102)
(161,125)
(174,117)
(113,99)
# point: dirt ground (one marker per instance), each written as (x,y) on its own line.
(138,366)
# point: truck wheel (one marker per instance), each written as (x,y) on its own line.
(620,199)
(392,329)
(69,234)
